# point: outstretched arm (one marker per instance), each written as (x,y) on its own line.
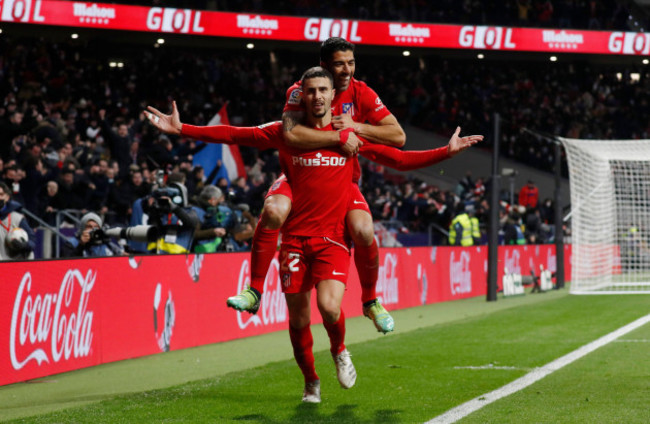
(415,159)
(263,137)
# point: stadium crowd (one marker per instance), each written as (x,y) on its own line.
(73,136)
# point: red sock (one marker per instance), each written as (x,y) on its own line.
(265,243)
(336,333)
(302,342)
(367,261)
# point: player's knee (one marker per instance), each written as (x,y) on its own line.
(299,319)
(362,233)
(299,322)
(275,213)
(330,311)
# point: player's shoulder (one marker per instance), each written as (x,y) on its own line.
(294,94)
(361,90)
(270,135)
(359,85)
(271,126)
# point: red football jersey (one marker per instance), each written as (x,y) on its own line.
(320,181)
(359,100)
(320,178)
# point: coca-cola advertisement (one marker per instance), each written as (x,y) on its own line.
(57,316)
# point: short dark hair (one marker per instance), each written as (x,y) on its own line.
(317,72)
(333,45)
(5,188)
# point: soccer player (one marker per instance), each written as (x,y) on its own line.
(314,252)
(354,104)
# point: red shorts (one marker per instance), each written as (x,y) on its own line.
(305,261)
(281,186)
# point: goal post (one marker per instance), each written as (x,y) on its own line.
(610,215)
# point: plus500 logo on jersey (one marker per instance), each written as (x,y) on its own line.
(319,160)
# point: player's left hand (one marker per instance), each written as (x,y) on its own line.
(351,147)
(457,144)
(170,124)
(344,121)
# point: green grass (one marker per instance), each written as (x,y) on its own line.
(410,376)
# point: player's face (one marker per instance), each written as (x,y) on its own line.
(317,95)
(342,66)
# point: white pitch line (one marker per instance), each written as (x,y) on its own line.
(537,374)
(489,367)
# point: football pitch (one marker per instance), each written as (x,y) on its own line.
(440,357)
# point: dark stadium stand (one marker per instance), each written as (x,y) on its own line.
(60,85)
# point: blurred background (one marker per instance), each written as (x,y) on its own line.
(74,139)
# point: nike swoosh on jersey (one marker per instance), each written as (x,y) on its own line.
(338,273)
(356,202)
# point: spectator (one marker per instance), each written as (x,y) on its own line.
(50,201)
(136,187)
(460,230)
(11,219)
(528,195)
(12,177)
(12,126)
(476,228)
(160,155)
(547,212)
(545,13)
(512,230)
(90,240)
(36,177)
(71,190)
(119,142)
(98,180)
(238,192)
(533,233)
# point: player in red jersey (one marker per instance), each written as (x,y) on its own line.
(314,251)
(354,105)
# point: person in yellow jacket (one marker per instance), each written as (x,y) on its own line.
(460,229)
(476,230)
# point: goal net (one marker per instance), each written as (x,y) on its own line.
(610,215)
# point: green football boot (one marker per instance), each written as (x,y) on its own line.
(380,317)
(248,300)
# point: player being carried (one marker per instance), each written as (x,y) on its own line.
(314,252)
(354,104)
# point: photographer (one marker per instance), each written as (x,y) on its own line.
(211,232)
(224,227)
(91,240)
(168,211)
(11,246)
(239,223)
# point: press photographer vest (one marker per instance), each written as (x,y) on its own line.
(173,239)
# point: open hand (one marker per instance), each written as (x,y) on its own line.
(458,144)
(169,124)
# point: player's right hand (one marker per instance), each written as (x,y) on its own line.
(457,143)
(169,124)
(351,147)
